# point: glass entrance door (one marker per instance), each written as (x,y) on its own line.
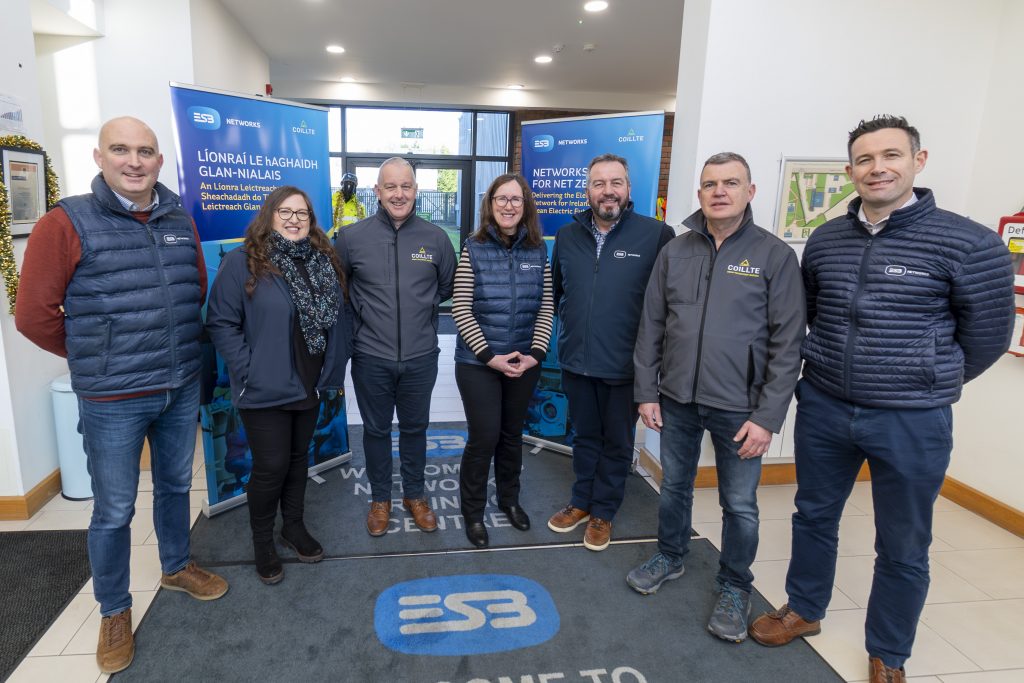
(443,196)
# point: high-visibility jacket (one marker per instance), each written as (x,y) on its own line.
(346,213)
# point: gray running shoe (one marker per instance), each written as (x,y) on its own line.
(648,577)
(729,619)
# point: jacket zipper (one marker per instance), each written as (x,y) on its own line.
(590,303)
(851,336)
(704,315)
(167,296)
(398,305)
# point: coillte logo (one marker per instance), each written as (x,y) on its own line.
(465,615)
(422,255)
(744,268)
(303,129)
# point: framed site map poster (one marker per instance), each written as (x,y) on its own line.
(811,191)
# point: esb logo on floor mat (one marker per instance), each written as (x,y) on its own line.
(465,615)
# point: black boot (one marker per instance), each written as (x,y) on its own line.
(296,537)
(268,564)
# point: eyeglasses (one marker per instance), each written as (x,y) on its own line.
(286,214)
(516,202)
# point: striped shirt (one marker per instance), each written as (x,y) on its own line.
(462,312)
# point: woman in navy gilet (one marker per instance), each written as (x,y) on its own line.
(503,309)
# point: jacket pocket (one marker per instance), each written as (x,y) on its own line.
(686,278)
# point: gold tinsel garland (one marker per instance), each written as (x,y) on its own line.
(8,266)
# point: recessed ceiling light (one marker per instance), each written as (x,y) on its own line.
(514,86)
(335,49)
(595,6)
(542,59)
(347,79)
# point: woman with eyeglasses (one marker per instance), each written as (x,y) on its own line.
(277,316)
(503,308)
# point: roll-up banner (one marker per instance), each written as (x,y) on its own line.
(233,150)
(556,153)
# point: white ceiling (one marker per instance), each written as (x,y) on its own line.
(471,43)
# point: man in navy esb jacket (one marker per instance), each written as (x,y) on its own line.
(600,266)
(905,303)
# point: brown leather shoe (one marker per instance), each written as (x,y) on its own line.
(567,519)
(598,534)
(196,581)
(880,673)
(772,629)
(379,518)
(116,647)
(421,514)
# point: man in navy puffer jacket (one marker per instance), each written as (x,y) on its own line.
(905,303)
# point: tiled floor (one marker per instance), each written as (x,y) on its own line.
(970,632)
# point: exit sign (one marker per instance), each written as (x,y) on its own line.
(408,133)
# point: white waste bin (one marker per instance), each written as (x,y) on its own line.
(75,482)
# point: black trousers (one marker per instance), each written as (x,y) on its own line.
(279,440)
(495,411)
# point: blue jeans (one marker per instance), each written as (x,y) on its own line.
(683,429)
(112,434)
(907,452)
(382,386)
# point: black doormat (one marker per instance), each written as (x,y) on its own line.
(504,615)
(336,509)
(40,571)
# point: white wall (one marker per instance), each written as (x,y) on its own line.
(792,77)
(994,186)
(224,55)
(27,444)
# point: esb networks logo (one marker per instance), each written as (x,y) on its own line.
(543,143)
(204,118)
(475,614)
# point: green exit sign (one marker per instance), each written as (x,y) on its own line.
(408,133)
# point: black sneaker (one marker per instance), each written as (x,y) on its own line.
(297,538)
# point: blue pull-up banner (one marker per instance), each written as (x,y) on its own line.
(556,153)
(233,150)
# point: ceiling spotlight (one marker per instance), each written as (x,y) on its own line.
(595,6)
(514,86)
(335,49)
(542,59)
(347,79)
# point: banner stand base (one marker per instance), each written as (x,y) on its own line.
(549,445)
(231,503)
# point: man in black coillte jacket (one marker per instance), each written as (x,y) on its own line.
(600,265)
(399,269)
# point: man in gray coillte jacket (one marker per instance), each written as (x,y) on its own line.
(719,351)
(400,268)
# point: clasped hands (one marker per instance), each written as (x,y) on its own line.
(512,365)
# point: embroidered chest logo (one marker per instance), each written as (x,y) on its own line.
(621,253)
(900,271)
(174,239)
(744,268)
(423,255)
